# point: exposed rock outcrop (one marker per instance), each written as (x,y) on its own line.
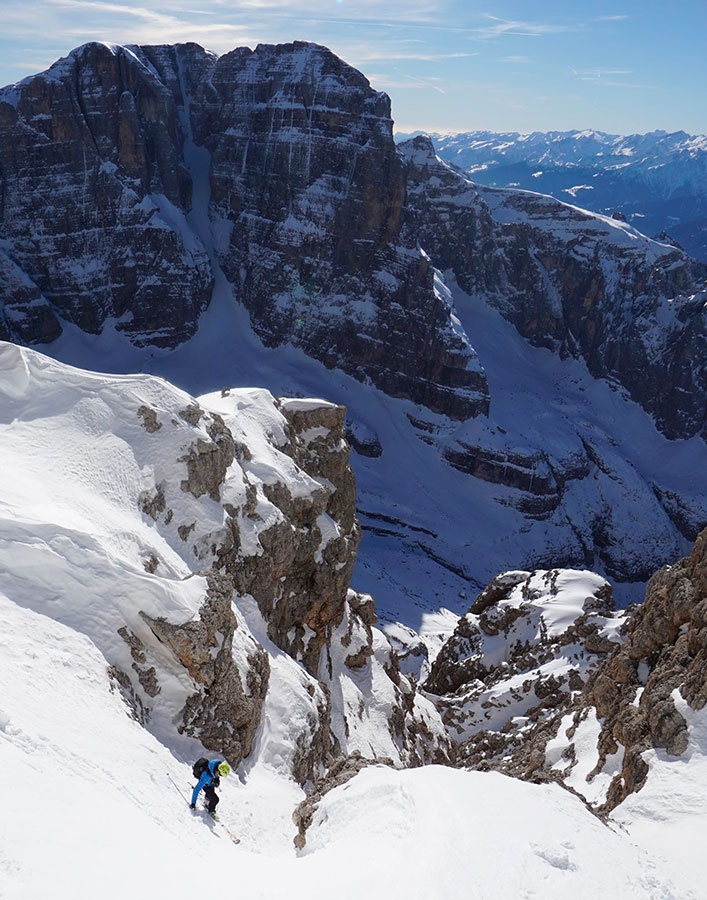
(370,695)
(301,575)
(91,155)
(274,529)
(341,772)
(224,713)
(523,652)
(582,702)
(636,694)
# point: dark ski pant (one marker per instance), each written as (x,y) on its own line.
(212,798)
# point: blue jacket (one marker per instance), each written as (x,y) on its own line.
(208,776)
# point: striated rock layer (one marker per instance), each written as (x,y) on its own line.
(304,213)
(324,229)
(94,198)
(579,284)
(206,547)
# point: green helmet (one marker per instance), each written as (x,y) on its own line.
(224,769)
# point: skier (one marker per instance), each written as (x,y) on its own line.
(209,780)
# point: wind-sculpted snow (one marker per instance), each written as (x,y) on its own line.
(193,542)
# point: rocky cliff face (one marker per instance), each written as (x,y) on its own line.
(525,649)
(288,540)
(307,192)
(318,223)
(578,284)
(150,174)
(216,541)
(94,196)
(642,695)
(304,212)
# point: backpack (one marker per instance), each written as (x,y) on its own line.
(199,767)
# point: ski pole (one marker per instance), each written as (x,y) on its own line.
(177,786)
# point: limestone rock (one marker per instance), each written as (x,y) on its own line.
(627,701)
(665,652)
(522,653)
(208,461)
(578,284)
(91,155)
(376,709)
(224,711)
(342,771)
(305,211)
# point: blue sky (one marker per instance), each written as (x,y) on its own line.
(448,65)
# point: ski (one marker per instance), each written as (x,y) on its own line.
(233,837)
(214,816)
(217,821)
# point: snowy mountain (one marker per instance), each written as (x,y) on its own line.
(657,181)
(247,221)
(174,575)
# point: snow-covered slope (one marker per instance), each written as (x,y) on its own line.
(206,551)
(95,762)
(434,536)
(89,810)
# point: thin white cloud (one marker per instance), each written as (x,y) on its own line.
(121,9)
(498,27)
(610,78)
(84,20)
(417,81)
(372,55)
(592,74)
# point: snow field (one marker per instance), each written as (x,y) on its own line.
(86,792)
(438,832)
(89,811)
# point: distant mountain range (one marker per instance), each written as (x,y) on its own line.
(658,181)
